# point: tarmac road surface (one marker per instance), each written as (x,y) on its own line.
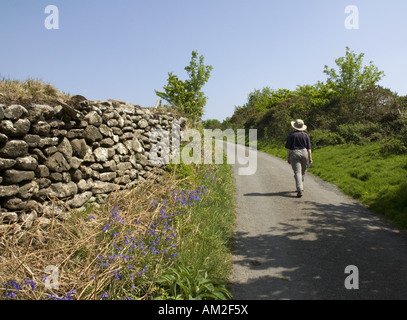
(299,248)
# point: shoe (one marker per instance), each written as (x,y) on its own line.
(299,194)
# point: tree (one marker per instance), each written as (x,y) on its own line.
(319,94)
(187,96)
(352,75)
(212,124)
(267,98)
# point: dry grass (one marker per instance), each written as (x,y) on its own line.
(28,92)
(76,246)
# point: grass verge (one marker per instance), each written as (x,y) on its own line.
(362,172)
(148,243)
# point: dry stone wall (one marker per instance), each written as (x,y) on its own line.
(75,154)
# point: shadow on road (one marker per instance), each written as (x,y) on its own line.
(286,194)
(307,256)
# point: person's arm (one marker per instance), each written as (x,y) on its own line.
(288,146)
(309,149)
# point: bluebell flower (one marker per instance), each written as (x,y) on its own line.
(106,227)
(143,271)
(67,296)
(31,283)
(11,295)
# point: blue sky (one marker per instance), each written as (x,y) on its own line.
(124,49)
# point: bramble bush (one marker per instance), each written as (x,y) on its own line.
(393,146)
(322,138)
(360,133)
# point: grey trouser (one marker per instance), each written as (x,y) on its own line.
(299,163)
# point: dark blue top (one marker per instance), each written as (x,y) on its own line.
(298,140)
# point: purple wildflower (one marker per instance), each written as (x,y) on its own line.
(31,283)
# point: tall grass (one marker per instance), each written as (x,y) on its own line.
(93,251)
(28,92)
(206,232)
(208,235)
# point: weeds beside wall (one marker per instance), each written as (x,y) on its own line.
(161,240)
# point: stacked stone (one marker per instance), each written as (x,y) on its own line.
(47,153)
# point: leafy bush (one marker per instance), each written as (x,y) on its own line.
(403,134)
(393,146)
(322,137)
(377,136)
(359,133)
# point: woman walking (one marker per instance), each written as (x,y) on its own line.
(299,153)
